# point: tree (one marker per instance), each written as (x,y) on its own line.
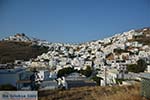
(139,67)
(97,80)
(132,68)
(87,72)
(65,71)
(142,65)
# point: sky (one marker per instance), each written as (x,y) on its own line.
(72,21)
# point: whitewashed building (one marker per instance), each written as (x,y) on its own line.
(11,76)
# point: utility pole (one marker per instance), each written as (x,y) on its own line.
(105,75)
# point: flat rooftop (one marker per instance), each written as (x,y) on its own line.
(12,71)
(145,75)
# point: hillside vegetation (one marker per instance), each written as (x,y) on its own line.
(94,93)
(10,51)
(145,38)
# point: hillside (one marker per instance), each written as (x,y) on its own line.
(143,37)
(10,51)
(121,49)
(94,93)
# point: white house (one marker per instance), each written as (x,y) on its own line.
(11,76)
(44,74)
(148,68)
(88,63)
(108,77)
(48,85)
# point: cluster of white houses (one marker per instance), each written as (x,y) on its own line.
(18,37)
(26,78)
(112,53)
(110,56)
(22,78)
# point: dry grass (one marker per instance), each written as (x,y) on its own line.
(10,51)
(94,93)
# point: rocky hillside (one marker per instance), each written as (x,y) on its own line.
(19,37)
(144,37)
(11,50)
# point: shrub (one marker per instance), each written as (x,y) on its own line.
(87,72)
(97,80)
(139,67)
(65,71)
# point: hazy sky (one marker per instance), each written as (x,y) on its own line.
(72,20)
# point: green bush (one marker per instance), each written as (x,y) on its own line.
(139,67)
(97,80)
(65,71)
(87,72)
